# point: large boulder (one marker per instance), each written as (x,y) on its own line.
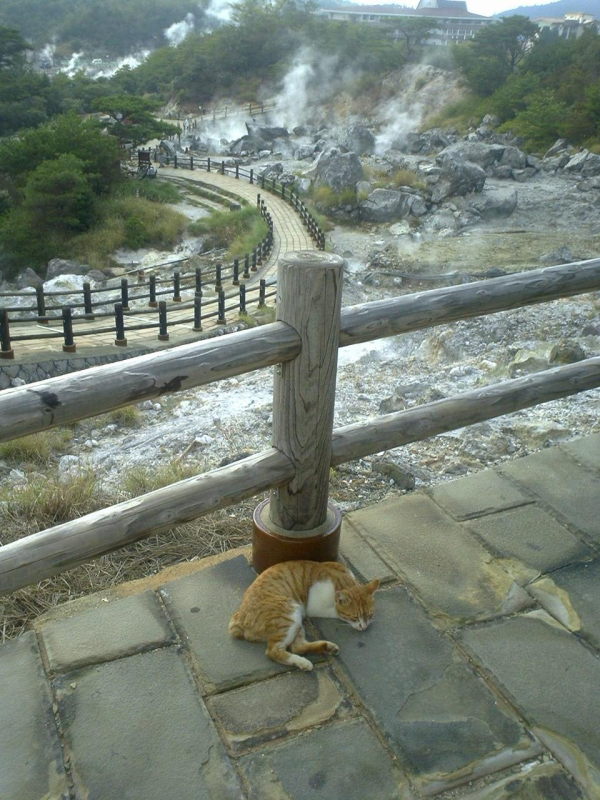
(383,205)
(28,278)
(454,177)
(337,170)
(63,266)
(495,203)
(426,142)
(480,153)
(358,139)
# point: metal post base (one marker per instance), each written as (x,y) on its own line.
(270,547)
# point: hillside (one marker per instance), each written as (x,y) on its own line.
(557,9)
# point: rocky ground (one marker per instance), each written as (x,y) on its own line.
(479,203)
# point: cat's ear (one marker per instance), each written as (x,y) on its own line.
(372,586)
(342,597)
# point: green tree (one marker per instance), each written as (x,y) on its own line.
(132,120)
(58,196)
(65,134)
(12,49)
(495,53)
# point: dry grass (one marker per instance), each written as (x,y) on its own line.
(211,534)
(36,448)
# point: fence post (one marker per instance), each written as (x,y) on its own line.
(262,289)
(88,310)
(236,271)
(243,298)
(251,176)
(6,350)
(176,287)
(152,287)
(218,282)
(125,294)
(221,313)
(67,320)
(237,171)
(247,266)
(254,267)
(222,168)
(208,164)
(297,521)
(41,305)
(120,339)
(197,312)
(163,335)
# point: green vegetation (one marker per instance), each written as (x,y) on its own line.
(36,448)
(107,26)
(46,500)
(541,88)
(239,231)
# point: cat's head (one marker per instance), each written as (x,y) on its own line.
(355,605)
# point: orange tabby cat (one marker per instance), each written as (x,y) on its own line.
(274,606)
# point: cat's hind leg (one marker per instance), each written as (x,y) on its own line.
(300,645)
(277,644)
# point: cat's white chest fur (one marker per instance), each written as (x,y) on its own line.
(321,600)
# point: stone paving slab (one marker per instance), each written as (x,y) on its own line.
(572,596)
(439,716)
(554,679)
(585,450)
(111,630)
(272,708)
(564,485)
(137,730)
(483,493)
(30,757)
(453,574)
(362,559)
(201,605)
(337,762)
(530,535)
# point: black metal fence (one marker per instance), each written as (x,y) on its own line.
(190,161)
(218,309)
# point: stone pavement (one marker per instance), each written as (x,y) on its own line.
(479,678)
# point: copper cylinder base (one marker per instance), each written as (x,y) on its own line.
(270,547)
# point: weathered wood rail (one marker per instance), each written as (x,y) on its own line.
(304,445)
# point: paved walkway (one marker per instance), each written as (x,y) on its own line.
(481,670)
(289,234)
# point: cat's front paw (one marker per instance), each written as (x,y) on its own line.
(332,648)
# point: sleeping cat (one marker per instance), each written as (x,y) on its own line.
(274,606)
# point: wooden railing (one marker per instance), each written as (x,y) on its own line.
(93,301)
(304,342)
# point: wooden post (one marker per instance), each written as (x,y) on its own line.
(87,301)
(298,522)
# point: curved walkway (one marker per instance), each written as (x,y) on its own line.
(288,234)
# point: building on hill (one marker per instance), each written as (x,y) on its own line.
(571,26)
(453,21)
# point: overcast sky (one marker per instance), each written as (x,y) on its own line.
(485,7)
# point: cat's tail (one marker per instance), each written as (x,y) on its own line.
(235,628)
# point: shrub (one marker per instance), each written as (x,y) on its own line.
(239,231)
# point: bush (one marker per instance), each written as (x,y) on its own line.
(239,231)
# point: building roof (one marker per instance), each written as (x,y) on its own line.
(449,10)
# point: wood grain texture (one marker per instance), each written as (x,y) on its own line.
(58,401)
(368,321)
(394,430)
(308,300)
(56,549)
